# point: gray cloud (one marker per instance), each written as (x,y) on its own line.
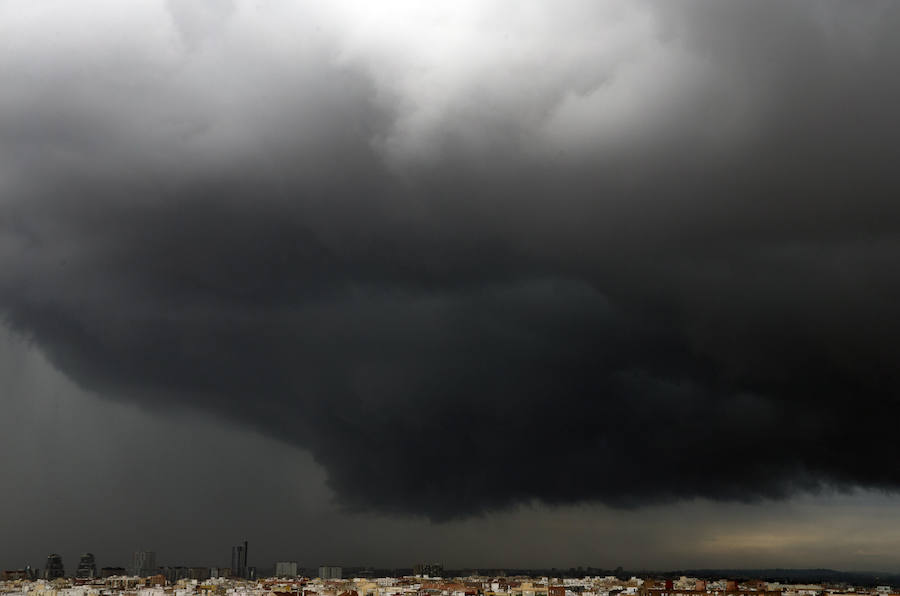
(474,257)
(83,473)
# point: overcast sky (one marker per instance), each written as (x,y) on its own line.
(490,283)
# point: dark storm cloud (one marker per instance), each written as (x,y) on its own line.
(625,253)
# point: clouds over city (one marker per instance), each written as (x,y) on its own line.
(471,255)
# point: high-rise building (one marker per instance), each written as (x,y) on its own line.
(143,563)
(429,569)
(87,568)
(286,569)
(54,568)
(175,573)
(199,573)
(239,560)
(330,572)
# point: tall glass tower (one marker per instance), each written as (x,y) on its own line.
(87,568)
(239,560)
(54,568)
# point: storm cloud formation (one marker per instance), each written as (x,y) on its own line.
(471,255)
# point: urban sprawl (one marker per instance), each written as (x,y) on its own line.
(145,578)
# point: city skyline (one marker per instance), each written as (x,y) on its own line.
(144,570)
(491,283)
(471,583)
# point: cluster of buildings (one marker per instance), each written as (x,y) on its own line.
(428,581)
(143,565)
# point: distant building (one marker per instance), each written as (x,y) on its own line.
(239,560)
(14,574)
(173,574)
(199,573)
(54,568)
(286,569)
(112,571)
(87,567)
(330,572)
(429,569)
(156,579)
(143,563)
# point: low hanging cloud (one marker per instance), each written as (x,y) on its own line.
(472,254)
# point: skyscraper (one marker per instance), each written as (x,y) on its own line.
(143,563)
(54,568)
(239,560)
(286,569)
(87,568)
(330,572)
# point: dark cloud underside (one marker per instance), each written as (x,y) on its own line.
(630,253)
